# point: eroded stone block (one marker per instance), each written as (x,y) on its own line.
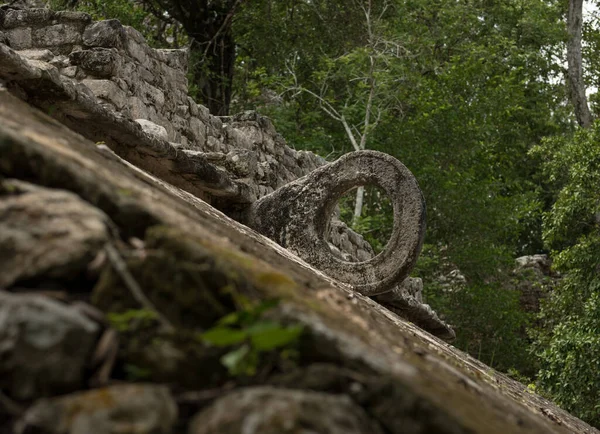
(125,408)
(107,90)
(45,346)
(269,410)
(56,35)
(46,232)
(19,39)
(108,33)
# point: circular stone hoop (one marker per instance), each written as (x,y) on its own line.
(297,217)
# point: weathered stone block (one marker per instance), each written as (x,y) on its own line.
(145,75)
(193,106)
(137,50)
(137,108)
(69,71)
(56,35)
(101,62)
(151,95)
(182,110)
(60,61)
(44,55)
(19,39)
(268,410)
(79,19)
(153,129)
(58,245)
(108,33)
(124,408)
(199,131)
(45,346)
(108,91)
(177,58)
(25,17)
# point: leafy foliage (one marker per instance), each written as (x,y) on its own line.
(567,341)
(250,335)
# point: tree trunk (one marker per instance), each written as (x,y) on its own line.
(575,67)
(212,59)
(212,71)
(358,204)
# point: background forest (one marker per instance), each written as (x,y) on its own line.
(484,101)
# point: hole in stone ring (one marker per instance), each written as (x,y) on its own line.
(374,225)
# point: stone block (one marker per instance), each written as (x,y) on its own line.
(178,123)
(151,95)
(78,19)
(182,110)
(137,108)
(19,39)
(69,71)
(137,50)
(43,54)
(14,18)
(56,35)
(242,162)
(60,61)
(108,33)
(101,62)
(108,91)
(144,74)
(153,129)
(198,130)
(263,409)
(122,408)
(58,245)
(192,106)
(176,58)
(45,346)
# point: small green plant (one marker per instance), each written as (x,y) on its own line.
(131,319)
(250,335)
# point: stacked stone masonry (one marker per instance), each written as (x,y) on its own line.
(149,85)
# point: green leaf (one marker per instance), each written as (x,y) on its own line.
(273,336)
(224,336)
(230,319)
(234,360)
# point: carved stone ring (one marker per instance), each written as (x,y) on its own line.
(297,216)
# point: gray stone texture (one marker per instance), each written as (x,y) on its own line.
(126,409)
(297,217)
(73,230)
(267,410)
(44,346)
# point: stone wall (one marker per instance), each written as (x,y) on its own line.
(149,85)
